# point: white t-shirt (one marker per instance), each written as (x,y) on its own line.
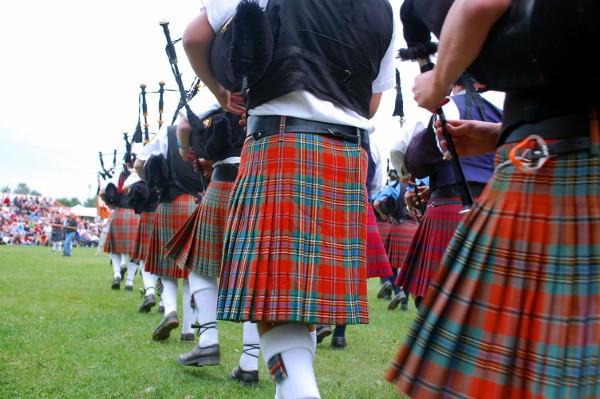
(302,104)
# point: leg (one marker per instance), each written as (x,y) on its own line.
(170,321)
(289,353)
(247,372)
(207,352)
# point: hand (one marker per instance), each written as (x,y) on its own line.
(429,94)
(470,137)
(423,194)
(204,166)
(231,102)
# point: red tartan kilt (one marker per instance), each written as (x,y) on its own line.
(142,241)
(398,241)
(198,245)
(428,246)
(295,240)
(122,231)
(514,311)
(170,216)
(378,264)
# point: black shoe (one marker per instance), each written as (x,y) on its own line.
(128,288)
(246,377)
(209,356)
(399,297)
(123,271)
(323,331)
(339,343)
(116,285)
(168,323)
(385,289)
(149,303)
(187,337)
(161,309)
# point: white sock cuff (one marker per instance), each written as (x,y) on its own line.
(199,282)
(250,335)
(284,337)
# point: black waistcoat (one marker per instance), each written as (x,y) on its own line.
(183,177)
(331,49)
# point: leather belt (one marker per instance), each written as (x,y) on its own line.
(557,127)
(265,126)
(452,190)
(225,172)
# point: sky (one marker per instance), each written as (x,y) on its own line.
(71,74)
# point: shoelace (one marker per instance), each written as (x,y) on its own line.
(201,328)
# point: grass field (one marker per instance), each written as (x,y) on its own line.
(65,334)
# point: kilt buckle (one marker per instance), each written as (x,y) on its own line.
(530,159)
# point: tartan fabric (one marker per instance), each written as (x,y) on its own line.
(515,309)
(277,368)
(179,246)
(398,241)
(170,216)
(201,243)
(384,230)
(122,231)
(428,245)
(142,240)
(378,264)
(295,240)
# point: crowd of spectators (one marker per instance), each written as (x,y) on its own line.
(27,220)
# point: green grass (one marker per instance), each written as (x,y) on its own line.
(65,334)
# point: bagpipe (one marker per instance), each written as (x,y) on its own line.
(420,49)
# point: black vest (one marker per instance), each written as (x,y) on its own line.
(332,49)
(183,177)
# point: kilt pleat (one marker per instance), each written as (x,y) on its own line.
(515,310)
(378,264)
(384,230)
(427,247)
(122,231)
(198,245)
(179,246)
(398,241)
(142,240)
(295,240)
(170,216)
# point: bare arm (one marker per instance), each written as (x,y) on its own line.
(463,34)
(197,41)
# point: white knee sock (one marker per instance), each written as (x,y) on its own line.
(313,336)
(188,312)
(288,351)
(249,358)
(116,264)
(131,270)
(169,295)
(149,279)
(204,290)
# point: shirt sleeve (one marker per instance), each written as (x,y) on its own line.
(157,146)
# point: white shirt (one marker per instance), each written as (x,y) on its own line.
(302,104)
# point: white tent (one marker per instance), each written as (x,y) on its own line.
(80,210)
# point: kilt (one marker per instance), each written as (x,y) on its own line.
(378,264)
(170,216)
(428,245)
(122,231)
(198,245)
(398,241)
(295,241)
(515,310)
(384,230)
(57,235)
(142,240)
